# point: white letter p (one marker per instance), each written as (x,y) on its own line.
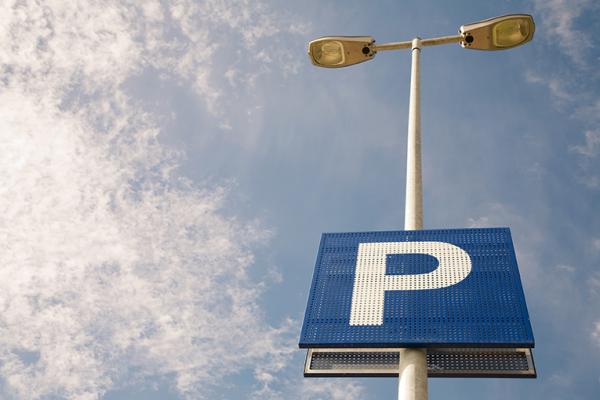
(371,282)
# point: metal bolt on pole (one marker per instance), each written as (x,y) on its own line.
(412,374)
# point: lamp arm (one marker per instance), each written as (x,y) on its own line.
(424,42)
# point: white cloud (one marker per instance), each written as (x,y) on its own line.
(594,283)
(114,269)
(479,222)
(81,44)
(249,23)
(591,146)
(100,278)
(592,182)
(561,379)
(596,333)
(330,389)
(570,83)
(566,268)
(590,111)
(558,20)
(554,85)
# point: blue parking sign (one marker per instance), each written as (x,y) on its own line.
(423,288)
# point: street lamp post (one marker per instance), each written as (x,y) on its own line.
(497,33)
(412,371)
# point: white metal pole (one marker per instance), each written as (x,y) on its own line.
(413,213)
(412,383)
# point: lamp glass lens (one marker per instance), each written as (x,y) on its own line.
(330,53)
(510,32)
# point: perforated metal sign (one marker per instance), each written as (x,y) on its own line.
(425,288)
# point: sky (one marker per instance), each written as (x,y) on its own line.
(168,167)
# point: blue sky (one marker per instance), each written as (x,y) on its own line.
(169,166)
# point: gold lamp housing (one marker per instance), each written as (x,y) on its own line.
(341,51)
(498,33)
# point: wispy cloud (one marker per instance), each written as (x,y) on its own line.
(115,269)
(566,268)
(596,333)
(554,85)
(593,282)
(111,265)
(330,389)
(571,78)
(561,379)
(559,21)
(591,146)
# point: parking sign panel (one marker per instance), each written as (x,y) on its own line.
(425,288)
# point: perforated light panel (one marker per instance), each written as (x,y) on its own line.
(426,288)
(453,362)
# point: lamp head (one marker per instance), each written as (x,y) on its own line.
(340,51)
(498,33)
